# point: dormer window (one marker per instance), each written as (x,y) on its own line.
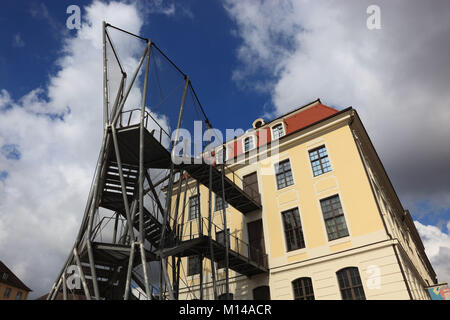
(249,144)
(258,123)
(277,131)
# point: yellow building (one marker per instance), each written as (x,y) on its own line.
(11,287)
(329,221)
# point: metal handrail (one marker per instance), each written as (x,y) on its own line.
(128,116)
(249,190)
(242,248)
(101,223)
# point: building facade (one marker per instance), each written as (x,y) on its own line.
(11,287)
(330,222)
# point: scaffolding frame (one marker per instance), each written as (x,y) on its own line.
(140,235)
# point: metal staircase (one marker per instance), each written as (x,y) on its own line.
(108,256)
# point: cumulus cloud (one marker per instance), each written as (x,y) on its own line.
(396,77)
(437,248)
(49,142)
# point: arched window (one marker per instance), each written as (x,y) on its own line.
(350,284)
(261,293)
(249,144)
(303,289)
(277,131)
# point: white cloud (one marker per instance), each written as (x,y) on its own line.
(43,198)
(5,99)
(396,78)
(18,41)
(167,8)
(158,6)
(437,248)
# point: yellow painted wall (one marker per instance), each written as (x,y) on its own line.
(347,179)
(13,294)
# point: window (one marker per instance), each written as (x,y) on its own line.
(334,218)
(19,295)
(406,238)
(261,293)
(219,203)
(258,124)
(220,238)
(220,155)
(249,144)
(284,174)
(350,284)
(293,230)
(250,186)
(319,161)
(5,276)
(194,265)
(303,289)
(194,207)
(277,131)
(7,293)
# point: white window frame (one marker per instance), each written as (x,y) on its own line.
(276,124)
(219,150)
(253,137)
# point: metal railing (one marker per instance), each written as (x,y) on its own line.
(109,222)
(233,176)
(132,117)
(191,230)
(249,190)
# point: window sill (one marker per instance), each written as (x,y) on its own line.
(295,252)
(322,174)
(339,240)
(287,187)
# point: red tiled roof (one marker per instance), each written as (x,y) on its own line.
(294,121)
(11,279)
(309,116)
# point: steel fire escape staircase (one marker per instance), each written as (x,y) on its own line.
(106,268)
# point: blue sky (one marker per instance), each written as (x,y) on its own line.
(200,42)
(246,59)
(200,37)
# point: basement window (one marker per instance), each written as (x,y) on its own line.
(350,284)
(303,289)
